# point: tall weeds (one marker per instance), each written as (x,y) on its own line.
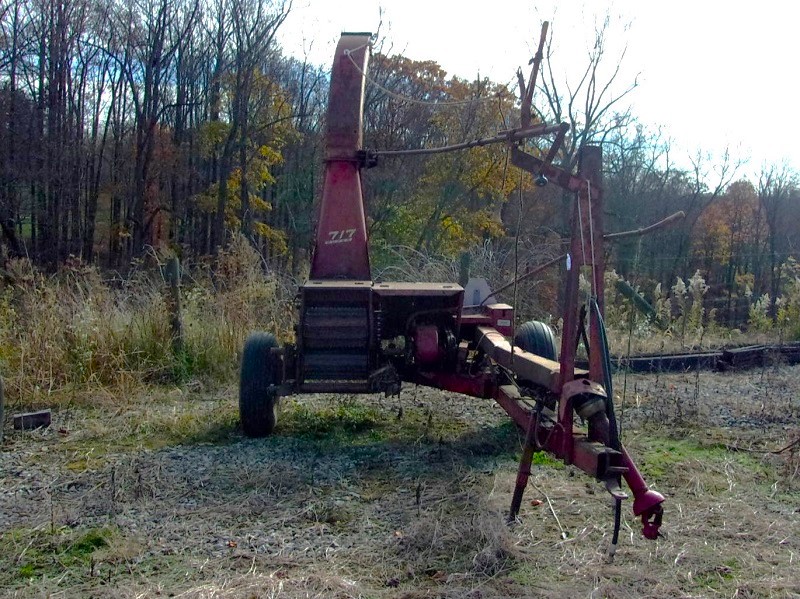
(74,329)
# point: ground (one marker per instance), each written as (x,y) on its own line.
(159,495)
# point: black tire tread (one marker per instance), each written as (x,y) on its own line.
(256,402)
(537,338)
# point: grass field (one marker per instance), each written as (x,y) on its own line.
(144,487)
(157,494)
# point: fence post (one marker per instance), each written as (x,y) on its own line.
(172,274)
(463,269)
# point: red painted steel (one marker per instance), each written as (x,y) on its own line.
(341,244)
(426,339)
(569,445)
(646,503)
(481,385)
(417,289)
(502,318)
(590,228)
(350,326)
(586,250)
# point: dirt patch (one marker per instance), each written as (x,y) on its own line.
(367,496)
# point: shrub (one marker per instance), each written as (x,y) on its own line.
(758,319)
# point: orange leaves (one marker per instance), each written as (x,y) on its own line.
(730,226)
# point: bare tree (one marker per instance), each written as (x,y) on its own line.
(592,101)
(641,184)
(777,185)
(293,200)
(158,26)
(254,25)
(16,110)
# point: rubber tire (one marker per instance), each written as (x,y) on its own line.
(537,338)
(257,404)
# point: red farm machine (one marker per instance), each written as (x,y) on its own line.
(355,335)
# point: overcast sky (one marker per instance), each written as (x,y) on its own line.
(712,73)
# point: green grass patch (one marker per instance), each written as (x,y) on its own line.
(541,458)
(660,456)
(345,419)
(664,455)
(184,425)
(192,427)
(718,576)
(32,553)
(701,463)
(531,575)
(356,422)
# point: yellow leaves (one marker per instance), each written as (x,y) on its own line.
(406,74)
(259,204)
(270,155)
(464,229)
(211,135)
(271,112)
(488,225)
(261,173)
(276,238)
(207,200)
(453,230)
(462,192)
(467,228)
(452,199)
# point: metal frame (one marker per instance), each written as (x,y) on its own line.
(358,336)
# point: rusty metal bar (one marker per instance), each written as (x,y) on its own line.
(535,165)
(525,365)
(510,136)
(591,200)
(524,471)
(527,274)
(527,100)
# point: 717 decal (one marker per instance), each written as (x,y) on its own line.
(342,236)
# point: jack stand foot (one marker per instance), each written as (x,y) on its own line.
(522,475)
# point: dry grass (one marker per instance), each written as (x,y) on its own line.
(76,330)
(143,487)
(397,508)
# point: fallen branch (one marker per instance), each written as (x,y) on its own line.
(794,443)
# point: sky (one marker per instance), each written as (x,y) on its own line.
(712,74)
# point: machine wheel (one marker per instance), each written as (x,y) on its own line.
(537,338)
(256,402)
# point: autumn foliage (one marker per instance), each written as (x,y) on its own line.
(177,125)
